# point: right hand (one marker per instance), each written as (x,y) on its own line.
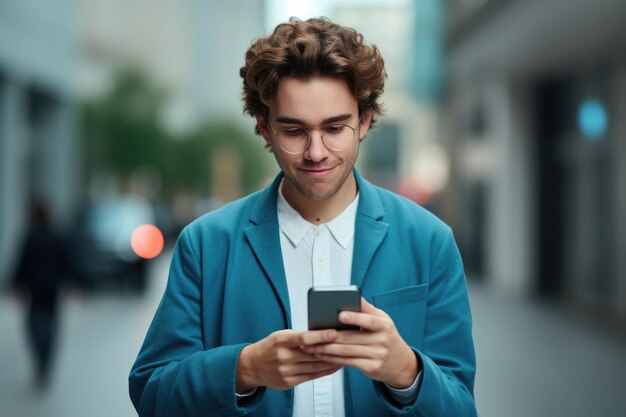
(278,361)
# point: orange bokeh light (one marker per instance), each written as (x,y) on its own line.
(147,241)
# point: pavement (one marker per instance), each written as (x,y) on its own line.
(534,359)
(544,360)
(100,336)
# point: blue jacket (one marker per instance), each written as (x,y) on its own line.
(227,289)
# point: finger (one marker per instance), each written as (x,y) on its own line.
(348,351)
(289,338)
(296,355)
(310,368)
(370,309)
(358,337)
(363,364)
(353,337)
(366,321)
(313,337)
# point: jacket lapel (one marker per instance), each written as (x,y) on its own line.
(264,239)
(369,231)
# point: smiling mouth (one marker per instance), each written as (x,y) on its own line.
(317,171)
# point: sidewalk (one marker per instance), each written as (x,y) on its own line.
(536,360)
(533,360)
(99,339)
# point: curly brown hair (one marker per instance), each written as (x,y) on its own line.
(312,48)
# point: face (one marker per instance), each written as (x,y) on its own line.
(319,173)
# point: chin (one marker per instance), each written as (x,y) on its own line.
(319,190)
(319,195)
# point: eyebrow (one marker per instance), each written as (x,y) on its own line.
(334,119)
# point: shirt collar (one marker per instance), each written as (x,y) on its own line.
(291,223)
(295,227)
(342,226)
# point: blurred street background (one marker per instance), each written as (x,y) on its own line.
(506,118)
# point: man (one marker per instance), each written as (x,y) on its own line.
(230,335)
(44,265)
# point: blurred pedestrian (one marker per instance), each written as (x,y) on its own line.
(44,263)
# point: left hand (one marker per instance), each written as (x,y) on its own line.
(377,350)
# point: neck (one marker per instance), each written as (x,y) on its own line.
(321,211)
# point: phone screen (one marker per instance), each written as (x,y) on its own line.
(325,304)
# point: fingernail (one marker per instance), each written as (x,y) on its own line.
(345,316)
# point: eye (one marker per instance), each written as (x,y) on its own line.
(334,129)
(294,132)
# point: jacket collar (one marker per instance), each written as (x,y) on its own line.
(370,229)
(369,202)
(263,236)
(264,210)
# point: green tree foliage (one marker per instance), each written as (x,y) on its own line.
(123,131)
(213,136)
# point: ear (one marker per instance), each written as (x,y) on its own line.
(263,127)
(366,120)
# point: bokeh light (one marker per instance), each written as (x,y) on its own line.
(147,241)
(592,119)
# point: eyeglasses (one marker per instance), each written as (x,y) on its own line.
(296,140)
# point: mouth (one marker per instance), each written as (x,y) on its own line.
(317,172)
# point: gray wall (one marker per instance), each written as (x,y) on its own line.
(497,55)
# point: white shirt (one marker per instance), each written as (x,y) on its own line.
(314,256)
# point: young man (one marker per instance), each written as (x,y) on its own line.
(230,335)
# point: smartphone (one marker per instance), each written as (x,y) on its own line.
(325,304)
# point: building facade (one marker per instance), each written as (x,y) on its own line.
(402,153)
(534,116)
(38,152)
(193,49)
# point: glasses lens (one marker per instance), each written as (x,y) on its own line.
(296,140)
(337,137)
(293,140)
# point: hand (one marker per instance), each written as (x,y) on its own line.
(377,350)
(278,360)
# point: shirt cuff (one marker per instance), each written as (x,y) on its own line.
(406,395)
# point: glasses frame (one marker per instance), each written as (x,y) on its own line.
(309,130)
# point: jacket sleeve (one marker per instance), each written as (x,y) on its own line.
(447,355)
(174,375)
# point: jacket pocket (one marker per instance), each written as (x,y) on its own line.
(407,308)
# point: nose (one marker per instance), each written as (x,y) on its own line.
(317,150)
